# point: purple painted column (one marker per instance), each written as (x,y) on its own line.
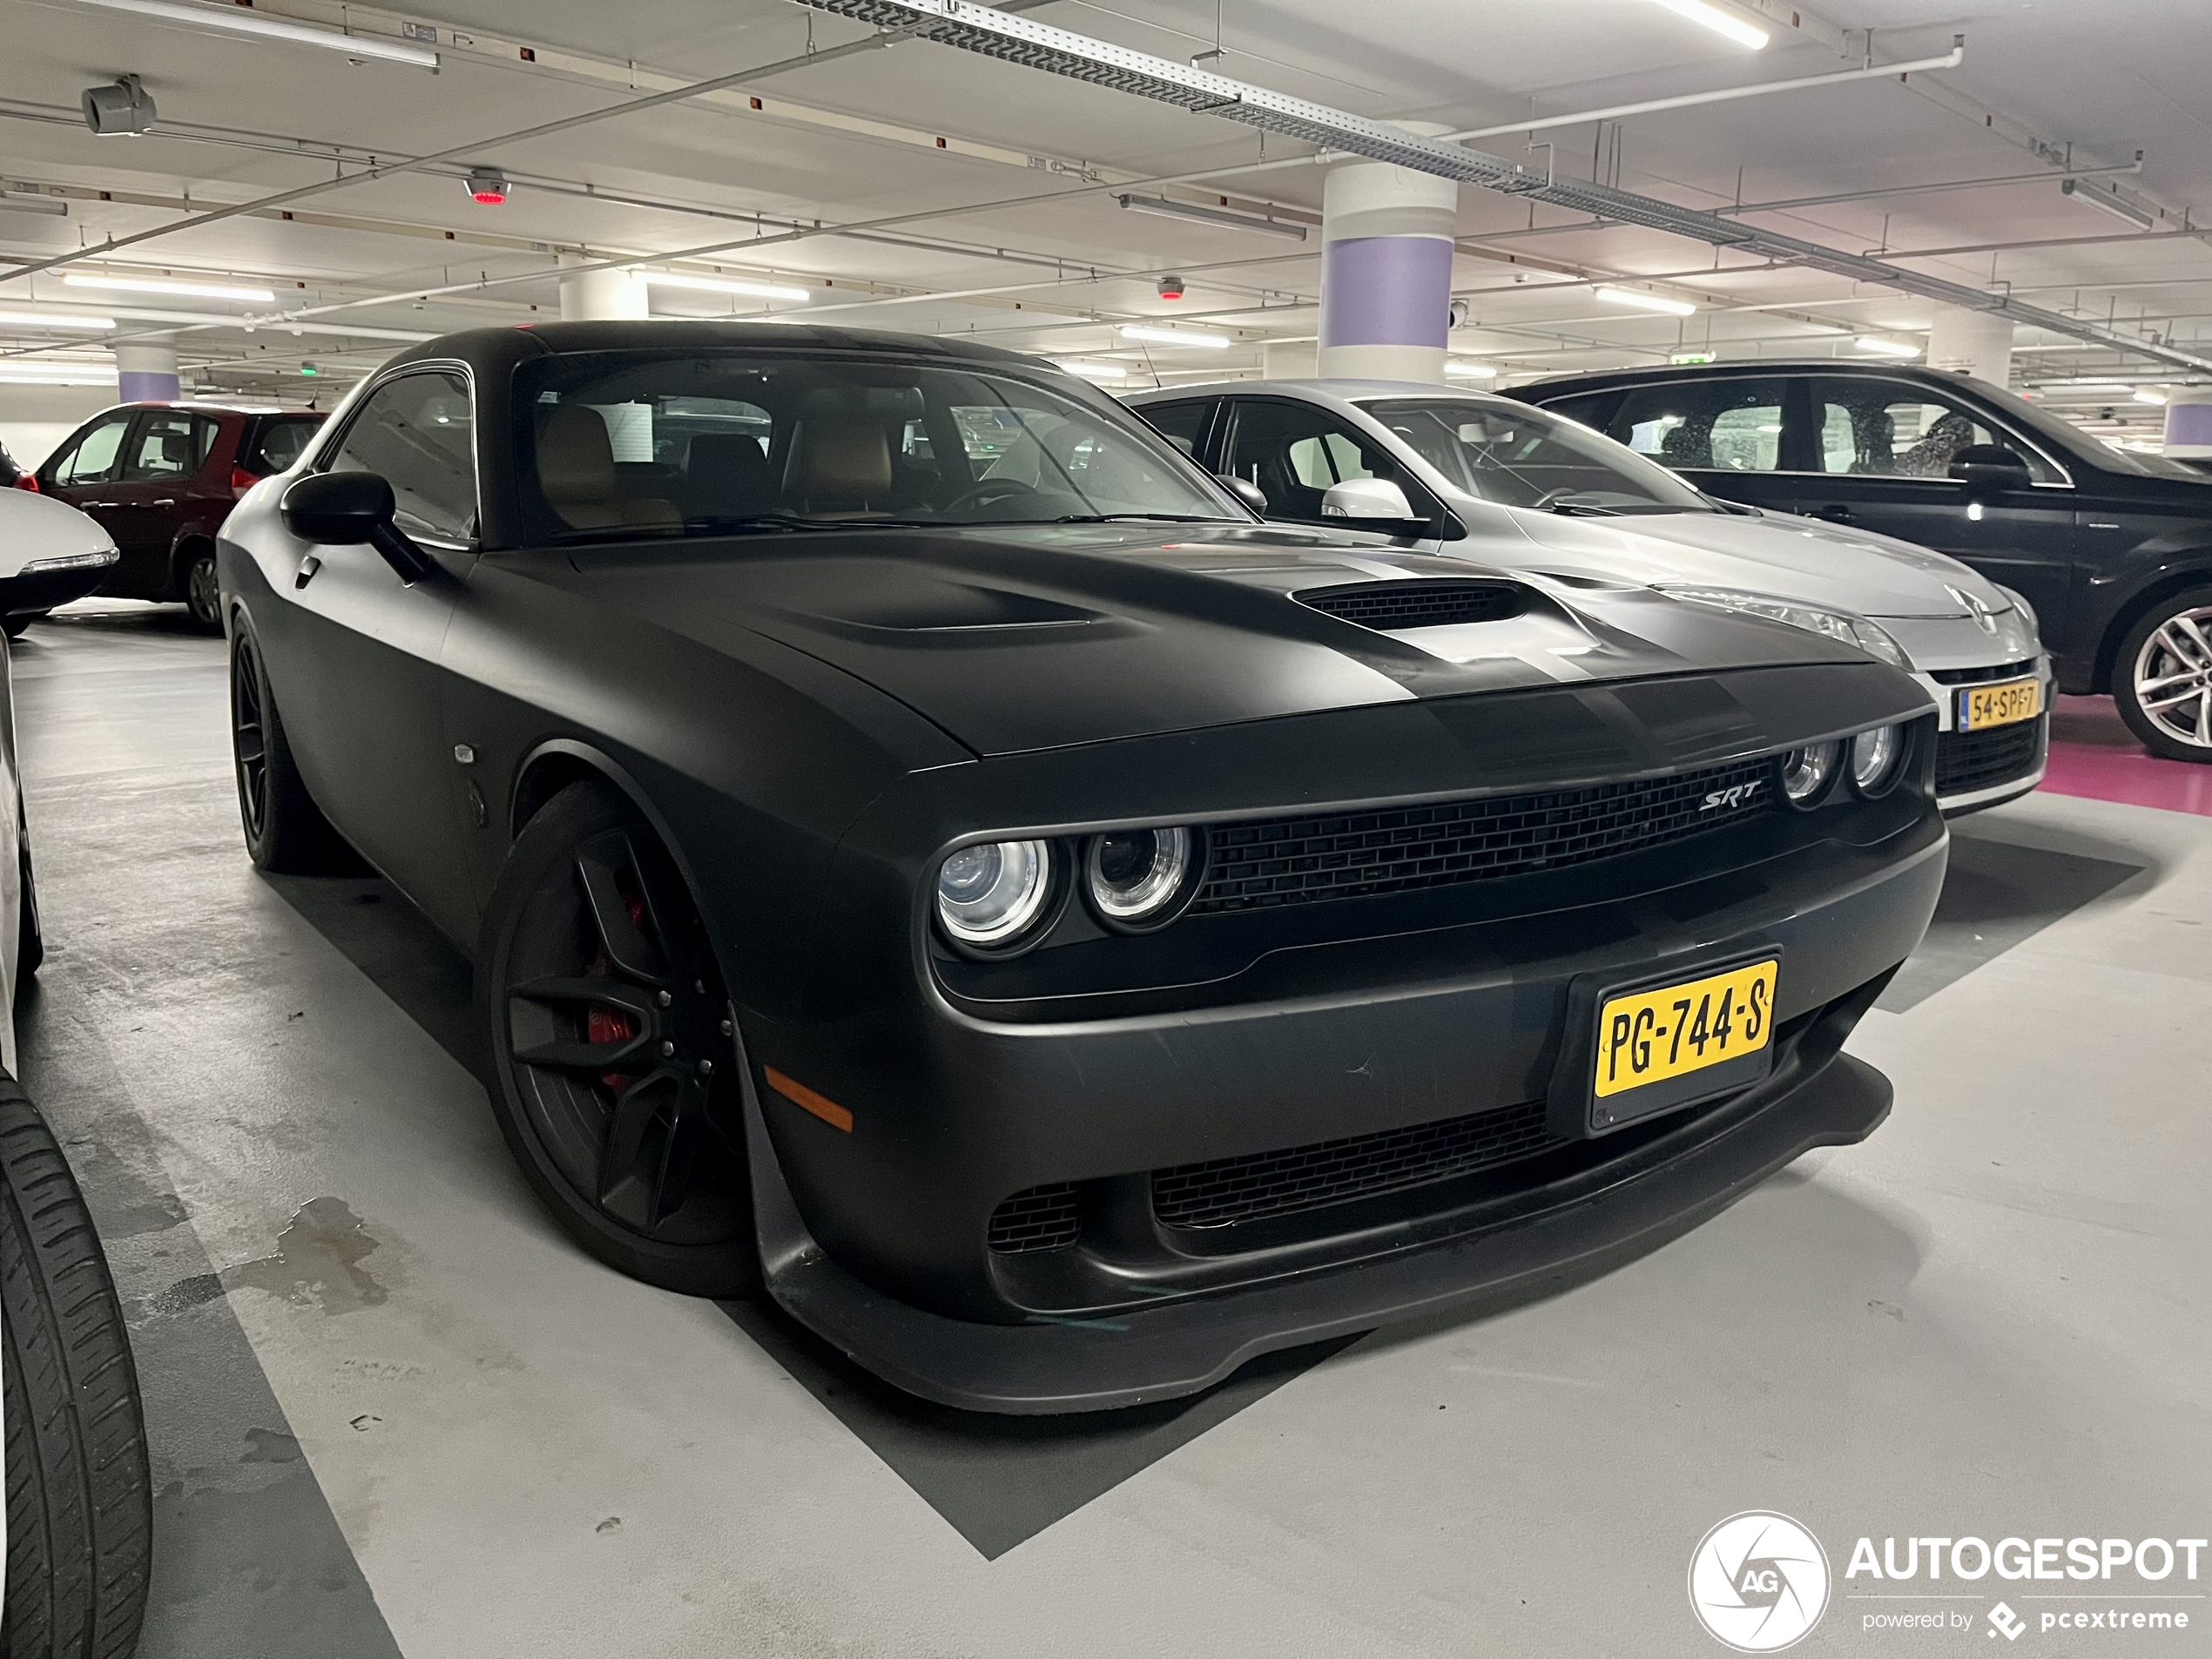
(2188,423)
(146,374)
(1386,273)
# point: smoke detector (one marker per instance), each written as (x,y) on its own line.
(487,186)
(1170,287)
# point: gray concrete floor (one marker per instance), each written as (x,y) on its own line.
(395,1412)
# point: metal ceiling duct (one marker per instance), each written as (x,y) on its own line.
(994,33)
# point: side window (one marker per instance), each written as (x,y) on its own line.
(418,431)
(1182,424)
(92,460)
(1878,428)
(1295,453)
(278,445)
(1727,425)
(169,445)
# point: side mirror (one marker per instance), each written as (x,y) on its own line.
(1374,504)
(1990,466)
(1245,491)
(346,508)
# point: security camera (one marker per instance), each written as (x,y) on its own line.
(1170,287)
(1459,312)
(122,109)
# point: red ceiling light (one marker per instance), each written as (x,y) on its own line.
(1170,287)
(487,187)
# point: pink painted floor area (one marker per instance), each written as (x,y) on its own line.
(2094,754)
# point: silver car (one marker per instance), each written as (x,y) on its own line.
(1489,479)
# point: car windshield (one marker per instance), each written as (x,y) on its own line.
(1520,457)
(613,445)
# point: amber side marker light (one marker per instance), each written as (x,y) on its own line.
(807,1101)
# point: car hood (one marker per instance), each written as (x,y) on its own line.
(1018,639)
(1806,559)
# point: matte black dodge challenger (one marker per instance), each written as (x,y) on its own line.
(929,852)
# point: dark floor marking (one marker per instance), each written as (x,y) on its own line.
(248,1561)
(997,1480)
(1998,895)
(1001,1481)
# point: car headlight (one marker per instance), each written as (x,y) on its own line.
(72,561)
(1874,758)
(1807,772)
(1842,625)
(1135,878)
(991,893)
(2020,605)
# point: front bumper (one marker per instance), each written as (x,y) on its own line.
(1974,771)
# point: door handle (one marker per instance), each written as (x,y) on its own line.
(172,501)
(309,566)
(1834,512)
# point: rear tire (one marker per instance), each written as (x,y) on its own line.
(203,591)
(2161,678)
(80,1511)
(286,831)
(613,1071)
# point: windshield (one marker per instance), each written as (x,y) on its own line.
(1520,457)
(622,443)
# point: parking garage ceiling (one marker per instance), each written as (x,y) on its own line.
(913,185)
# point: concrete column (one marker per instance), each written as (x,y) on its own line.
(1978,343)
(1386,270)
(1289,359)
(2188,423)
(146,374)
(588,296)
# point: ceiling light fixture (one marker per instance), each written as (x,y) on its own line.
(717,285)
(23,373)
(2150,397)
(121,109)
(238,21)
(22,201)
(1459,369)
(1720,22)
(47,320)
(1882,347)
(1175,337)
(2107,197)
(1165,209)
(1638,299)
(164,284)
(1093,371)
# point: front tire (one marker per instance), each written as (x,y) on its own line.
(2161,679)
(286,831)
(611,1052)
(80,1511)
(204,592)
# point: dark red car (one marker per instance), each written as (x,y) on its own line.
(162,477)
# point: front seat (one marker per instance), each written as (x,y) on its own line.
(838,465)
(1689,445)
(725,476)
(576,472)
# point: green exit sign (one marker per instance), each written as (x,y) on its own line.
(1692,357)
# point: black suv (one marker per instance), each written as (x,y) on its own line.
(2113,549)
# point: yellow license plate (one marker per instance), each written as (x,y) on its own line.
(2005,702)
(1646,1038)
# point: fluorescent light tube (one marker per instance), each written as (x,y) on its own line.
(2107,197)
(1882,347)
(1637,299)
(1720,22)
(1175,337)
(23,202)
(45,320)
(2150,397)
(238,21)
(1166,209)
(20,374)
(1459,368)
(722,284)
(163,285)
(1095,371)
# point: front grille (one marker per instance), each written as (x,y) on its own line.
(1226,1192)
(1042,1218)
(1385,605)
(1345,855)
(1982,676)
(1966,761)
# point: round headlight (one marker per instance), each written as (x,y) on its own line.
(989,894)
(1135,876)
(1806,772)
(1874,758)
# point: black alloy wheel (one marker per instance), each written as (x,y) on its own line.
(204,592)
(614,1056)
(286,831)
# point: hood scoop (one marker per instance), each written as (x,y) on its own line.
(1388,607)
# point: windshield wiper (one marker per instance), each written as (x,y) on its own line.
(1132,518)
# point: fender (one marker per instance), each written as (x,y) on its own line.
(2176,569)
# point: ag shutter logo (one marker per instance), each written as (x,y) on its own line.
(1758,1581)
(2009,1624)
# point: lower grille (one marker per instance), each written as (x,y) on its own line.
(1042,1218)
(1226,1192)
(1982,676)
(1344,855)
(1966,761)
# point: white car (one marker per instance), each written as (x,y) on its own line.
(79,1499)
(1489,479)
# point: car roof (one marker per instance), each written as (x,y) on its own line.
(1754,368)
(1318,391)
(491,349)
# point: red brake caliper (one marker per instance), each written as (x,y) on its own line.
(606,1024)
